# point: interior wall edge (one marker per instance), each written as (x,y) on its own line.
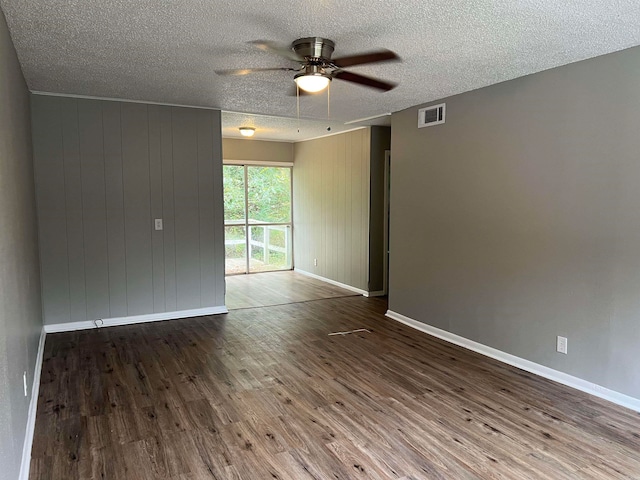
(521,363)
(377,293)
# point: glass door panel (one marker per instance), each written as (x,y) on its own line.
(270,248)
(269,194)
(257,218)
(234,195)
(235,238)
(235,250)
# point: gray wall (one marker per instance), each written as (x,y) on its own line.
(20,310)
(380,143)
(331,206)
(519,219)
(104,171)
(256,150)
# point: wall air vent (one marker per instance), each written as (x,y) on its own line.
(433,115)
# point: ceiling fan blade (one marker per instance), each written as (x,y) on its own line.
(362,80)
(369,57)
(247,71)
(278,49)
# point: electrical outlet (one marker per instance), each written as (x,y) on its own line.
(315,262)
(561,344)
(158,223)
(24,382)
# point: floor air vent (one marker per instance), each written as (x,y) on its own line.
(433,115)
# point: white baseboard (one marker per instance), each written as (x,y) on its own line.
(33,406)
(151,317)
(532,367)
(332,282)
(378,293)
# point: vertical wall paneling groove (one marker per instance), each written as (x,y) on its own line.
(338,191)
(199,202)
(218,213)
(104,171)
(357,260)
(94,224)
(186,209)
(366,200)
(137,214)
(322,256)
(73,209)
(51,206)
(155,181)
(206,205)
(349,274)
(114,191)
(168,210)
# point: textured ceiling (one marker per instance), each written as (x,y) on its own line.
(290,129)
(167,51)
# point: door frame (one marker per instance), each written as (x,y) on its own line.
(254,163)
(387,194)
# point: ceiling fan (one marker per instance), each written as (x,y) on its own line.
(316,67)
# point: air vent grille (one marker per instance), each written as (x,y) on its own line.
(433,115)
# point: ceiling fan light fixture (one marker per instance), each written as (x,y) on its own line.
(247,131)
(312,82)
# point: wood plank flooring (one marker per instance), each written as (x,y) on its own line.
(277,288)
(266,393)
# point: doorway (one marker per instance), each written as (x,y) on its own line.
(387,218)
(257,218)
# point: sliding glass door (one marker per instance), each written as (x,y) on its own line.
(257,218)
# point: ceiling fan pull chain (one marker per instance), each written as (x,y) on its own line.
(329,101)
(298,105)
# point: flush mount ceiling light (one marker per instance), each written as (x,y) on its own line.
(247,131)
(313,82)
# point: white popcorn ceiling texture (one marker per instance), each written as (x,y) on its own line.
(167,51)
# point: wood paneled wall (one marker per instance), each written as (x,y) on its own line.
(331,207)
(104,171)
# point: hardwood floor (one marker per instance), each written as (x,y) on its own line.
(267,393)
(277,288)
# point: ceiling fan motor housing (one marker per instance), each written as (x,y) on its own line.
(312,70)
(314,48)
